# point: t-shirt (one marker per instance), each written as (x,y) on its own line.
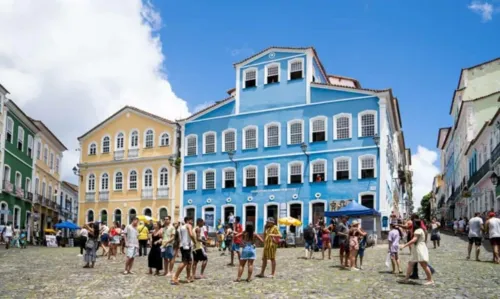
(309,233)
(143,232)
(475,227)
(494,228)
(342,228)
(231,219)
(394,238)
(84,232)
(238,228)
(105,230)
(169,234)
(131,235)
(8,231)
(461,223)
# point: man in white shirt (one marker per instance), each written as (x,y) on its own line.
(475,228)
(132,244)
(84,234)
(492,226)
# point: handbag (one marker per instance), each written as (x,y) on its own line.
(90,244)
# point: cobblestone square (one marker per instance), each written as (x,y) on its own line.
(57,273)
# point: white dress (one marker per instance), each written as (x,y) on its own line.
(420,252)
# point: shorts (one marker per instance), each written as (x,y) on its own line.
(115,240)
(199,255)
(475,240)
(167,253)
(131,252)
(235,247)
(435,237)
(186,255)
(344,248)
(309,245)
(395,255)
(104,238)
(361,252)
(495,241)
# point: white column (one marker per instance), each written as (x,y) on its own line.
(382,165)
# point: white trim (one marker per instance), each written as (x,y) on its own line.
(244,213)
(158,182)
(309,74)
(204,151)
(86,182)
(100,217)
(116,141)
(289,173)
(101,181)
(224,139)
(224,176)
(244,136)
(114,180)
(87,215)
(136,179)
(265,133)
(130,138)
(222,213)
(121,215)
(285,155)
(215,213)
(145,134)
(349,160)
(324,202)
(215,178)
(144,187)
(301,53)
(20,181)
(102,144)
(301,59)
(362,113)
(160,138)
(11,130)
(311,165)
(27,184)
(144,211)
(211,108)
(245,71)
(360,194)
(245,175)
(265,173)
(10,172)
(267,204)
(187,144)
(311,120)
(289,204)
(272,64)
(195,180)
(289,131)
(168,214)
(19,130)
(185,212)
(89,152)
(128,214)
(337,116)
(374,164)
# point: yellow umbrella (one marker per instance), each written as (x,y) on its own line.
(289,221)
(50,231)
(144,218)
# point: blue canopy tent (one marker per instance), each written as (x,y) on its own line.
(353,209)
(66,224)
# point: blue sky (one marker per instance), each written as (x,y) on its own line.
(415,47)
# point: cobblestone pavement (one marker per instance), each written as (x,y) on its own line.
(57,273)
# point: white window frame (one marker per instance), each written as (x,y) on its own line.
(114,180)
(196,144)
(136,179)
(311,120)
(265,173)
(245,71)
(224,139)
(93,143)
(301,59)
(195,180)
(10,129)
(56,167)
(337,116)
(88,183)
(224,170)
(52,156)
(27,184)
(87,215)
(102,180)
(289,173)
(116,141)
(130,146)
(7,178)
(374,164)
(102,144)
(19,131)
(204,142)
(343,158)
(46,154)
(311,165)
(160,140)
(30,145)
(266,72)
(204,178)
(38,150)
(289,131)
(245,175)
(365,112)
(160,185)
(244,134)
(265,133)
(144,179)
(152,139)
(16,183)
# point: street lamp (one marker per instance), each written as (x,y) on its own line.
(303,147)
(76,171)
(376,139)
(494,179)
(230,155)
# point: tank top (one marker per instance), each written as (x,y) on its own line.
(198,244)
(494,227)
(185,239)
(8,231)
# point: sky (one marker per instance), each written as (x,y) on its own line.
(73,63)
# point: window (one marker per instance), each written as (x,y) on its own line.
(10,130)
(229,178)
(163,177)
(272,132)
(92,149)
(57,165)
(90,216)
(295,173)
(30,146)
(229,140)
(150,137)
(250,137)
(105,182)
(164,139)
(191,148)
(367,123)
(132,180)
(49,194)
(38,149)
(191,181)
(209,143)
(6,173)
(51,164)
(318,129)
(148,179)
(318,170)
(105,144)
(134,139)
(120,139)
(342,126)
(46,154)
(273,174)
(341,168)
(209,179)
(18,180)
(296,69)
(27,185)
(44,188)
(250,78)
(250,173)
(367,166)
(295,132)
(20,138)
(163,213)
(90,184)
(118,181)
(272,73)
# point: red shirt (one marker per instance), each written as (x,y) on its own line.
(238,228)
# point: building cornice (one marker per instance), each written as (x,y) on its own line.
(85,165)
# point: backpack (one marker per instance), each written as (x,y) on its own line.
(371,240)
(309,233)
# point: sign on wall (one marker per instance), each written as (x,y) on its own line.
(51,241)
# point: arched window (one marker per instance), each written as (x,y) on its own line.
(164,139)
(93,149)
(10,130)
(118,180)
(342,124)
(163,177)
(104,216)
(90,216)
(295,172)
(148,179)
(209,179)
(118,216)
(147,212)
(273,174)
(272,73)
(250,137)
(318,170)
(30,146)
(105,144)
(367,123)
(295,131)
(366,166)
(120,139)
(149,139)
(163,213)
(191,180)
(20,138)
(342,168)
(134,139)
(105,182)
(229,175)
(209,143)
(250,78)
(132,180)
(296,69)
(229,140)
(250,176)
(131,215)
(272,135)
(191,148)
(90,183)
(3,217)
(318,127)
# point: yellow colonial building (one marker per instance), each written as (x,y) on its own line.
(129,166)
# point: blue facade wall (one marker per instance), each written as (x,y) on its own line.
(317,73)
(224,110)
(324,95)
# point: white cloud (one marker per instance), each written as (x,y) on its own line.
(424,171)
(202,106)
(484,9)
(73,63)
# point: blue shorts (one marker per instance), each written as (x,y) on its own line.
(361,252)
(104,238)
(167,253)
(309,245)
(236,247)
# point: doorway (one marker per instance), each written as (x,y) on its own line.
(250,216)
(318,212)
(368,201)
(228,211)
(295,212)
(190,213)
(272,211)
(210,218)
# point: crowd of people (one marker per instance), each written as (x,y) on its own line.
(12,236)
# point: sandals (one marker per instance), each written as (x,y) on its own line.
(428,283)
(260,276)
(237,280)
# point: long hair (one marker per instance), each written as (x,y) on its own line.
(417,224)
(95,228)
(249,230)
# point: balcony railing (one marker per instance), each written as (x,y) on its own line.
(90,196)
(103,195)
(38,199)
(147,194)
(162,193)
(19,192)
(478,175)
(28,196)
(495,154)
(119,154)
(7,186)
(133,153)
(46,202)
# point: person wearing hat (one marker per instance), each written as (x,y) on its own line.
(492,226)
(354,234)
(272,236)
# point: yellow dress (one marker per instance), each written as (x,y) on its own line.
(269,246)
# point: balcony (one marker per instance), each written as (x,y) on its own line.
(90,196)
(7,186)
(103,195)
(478,175)
(28,196)
(119,154)
(19,192)
(133,153)
(147,194)
(495,154)
(38,199)
(46,202)
(162,193)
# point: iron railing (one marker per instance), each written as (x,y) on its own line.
(133,153)
(119,155)
(162,193)
(147,194)
(103,195)
(90,196)
(479,174)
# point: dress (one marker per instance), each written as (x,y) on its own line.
(353,241)
(248,252)
(154,257)
(420,254)
(269,245)
(90,253)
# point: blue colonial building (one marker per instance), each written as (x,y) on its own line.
(291,140)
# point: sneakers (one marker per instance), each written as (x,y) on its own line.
(80,255)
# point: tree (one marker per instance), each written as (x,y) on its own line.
(425,207)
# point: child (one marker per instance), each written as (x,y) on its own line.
(394,237)
(23,238)
(361,252)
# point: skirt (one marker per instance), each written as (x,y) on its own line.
(248,253)
(115,240)
(90,254)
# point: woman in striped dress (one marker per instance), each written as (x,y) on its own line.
(271,239)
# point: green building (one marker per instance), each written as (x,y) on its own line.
(16,196)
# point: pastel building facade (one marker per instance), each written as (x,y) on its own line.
(291,140)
